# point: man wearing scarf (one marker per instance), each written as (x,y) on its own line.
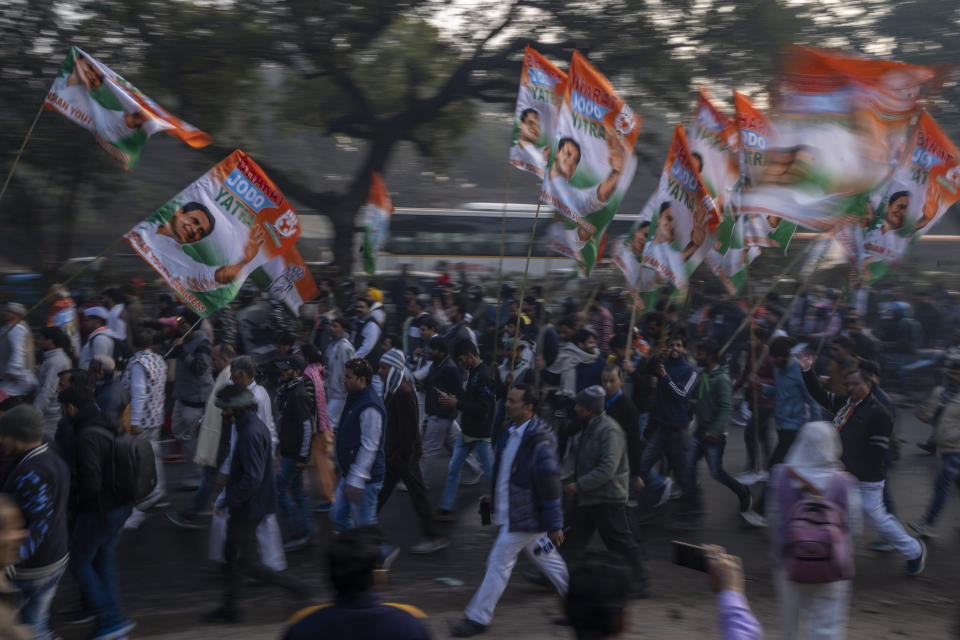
(865,427)
(402,448)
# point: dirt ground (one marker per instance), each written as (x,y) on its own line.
(165,589)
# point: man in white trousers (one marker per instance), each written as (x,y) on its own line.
(526,504)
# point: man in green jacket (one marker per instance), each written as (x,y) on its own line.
(598,494)
(714,403)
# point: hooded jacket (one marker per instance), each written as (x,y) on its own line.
(714,401)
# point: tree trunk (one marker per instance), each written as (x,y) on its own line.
(345,215)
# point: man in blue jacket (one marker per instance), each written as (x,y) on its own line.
(676,387)
(359,449)
(250,497)
(526,504)
(793,405)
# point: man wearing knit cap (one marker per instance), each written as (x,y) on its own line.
(100,339)
(598,492)
(40,484)
(17,366)
(402,448)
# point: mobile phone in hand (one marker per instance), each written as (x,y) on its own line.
(691,556)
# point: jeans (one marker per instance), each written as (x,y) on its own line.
(949,473)
(93,562)
(35,597)
(295,507)
(750,438)
(184,424)
(713,452)
(674,443)
(348,515)
(484,453)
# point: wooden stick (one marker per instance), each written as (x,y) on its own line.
(523,287)
(23,146)
(183,337)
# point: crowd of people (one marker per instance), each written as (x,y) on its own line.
(578,416)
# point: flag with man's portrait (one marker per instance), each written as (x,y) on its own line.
(682,217)
(208,238)
(592,164)
(535,117)
(119,115)
(924,185)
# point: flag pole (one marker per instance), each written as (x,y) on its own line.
(633,320)
(523,286)
(175,345)
(503,239)
(23,146)
(73,276)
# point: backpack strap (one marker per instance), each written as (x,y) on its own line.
(817,493)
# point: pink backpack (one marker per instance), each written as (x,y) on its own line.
(817,545)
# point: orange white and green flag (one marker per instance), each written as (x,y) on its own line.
(119,115)
(535,117)
(376,222)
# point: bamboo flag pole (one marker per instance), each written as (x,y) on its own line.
(633,320)
(23,146)
(753,309)
(179,341)
(523,287)
(49,295)
(503,238)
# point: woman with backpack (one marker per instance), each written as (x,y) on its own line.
(814,512)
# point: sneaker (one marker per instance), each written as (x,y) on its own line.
(402,486)
(467,628)
(915,566)
(297,544)
(747,478)
(880,546)
(323,507)
(665,494)
(78,616)
(746,504)
(929,447)
(388,553)
(443,515)
(429,546)
(763,476)
(922,529)
(135,520)
(675,491)
(472,482)
(114,631)
(221,615)
(184,521)
(754,519)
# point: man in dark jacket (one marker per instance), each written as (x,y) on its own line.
(676,386)
(443,379)
(620,408)
(249,497)
(295,427)
(459,329)
(359,449)
(192,384)
(100,513)
(713,408)
(476,403)
(40,483)
(600,487)
(402,448)
(526,504)
(865,427)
